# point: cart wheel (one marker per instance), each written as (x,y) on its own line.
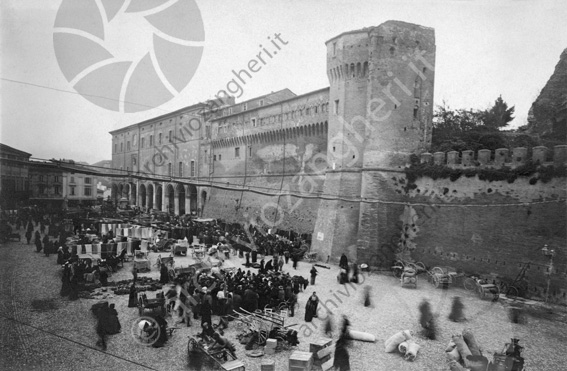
(421,266)
(436,281)
(512,293)
(397,271)
(437,270)
(469,284)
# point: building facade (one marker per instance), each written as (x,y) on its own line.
(62,184)
(14,176)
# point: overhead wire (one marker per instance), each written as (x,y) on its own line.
(266,191)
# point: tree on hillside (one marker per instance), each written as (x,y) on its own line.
(499,116)
(470,129)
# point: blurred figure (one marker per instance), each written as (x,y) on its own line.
(457,307)
(367,296)
(427,320)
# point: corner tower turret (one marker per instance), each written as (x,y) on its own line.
(381,107)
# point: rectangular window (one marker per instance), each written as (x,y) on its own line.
(334,48)
(87,191)
(159,138)
(41,178)
(169,169)
(128,145)
(121,147)
(115,147)
(336,111)
(250,151)
(193,167)
(181,169)
(245,106)
(237,152)
(220,157)
(72,180)
(142,144)
(230,111)
(72,190)
(254,122)
(151,140)
(261,102)
(56,179)
(87,180)
(170,136)
(56,190)
(214,157)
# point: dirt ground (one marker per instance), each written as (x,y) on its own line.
(62,335)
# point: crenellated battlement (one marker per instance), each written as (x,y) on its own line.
(499,158)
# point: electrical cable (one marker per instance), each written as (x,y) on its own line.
(264,190)
(77,343)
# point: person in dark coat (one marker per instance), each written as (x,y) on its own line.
(343,263)
(37,241)
(292,301)
(163,274)
(236,301)
(133,297)
(311,307)
(206,312)
(46,245)
(113,323)
(313,274)
(60,256)
(66,280)
(262,267)
(295,260)
(342,360)
(250,300)
(247,259)
(102,326)
(269,266)
(28,236)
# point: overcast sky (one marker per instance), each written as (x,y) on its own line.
(484,49)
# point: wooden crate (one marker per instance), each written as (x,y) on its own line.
(268,365)
(300,361)
(317,346)
(235,365)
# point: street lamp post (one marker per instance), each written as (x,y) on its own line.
(550,253)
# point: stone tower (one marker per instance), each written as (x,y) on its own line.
(381,106)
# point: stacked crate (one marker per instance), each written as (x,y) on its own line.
(268,365)
(300,361)
(317,346)
(270,347)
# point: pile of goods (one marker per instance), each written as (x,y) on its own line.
(463,353)
(404,343)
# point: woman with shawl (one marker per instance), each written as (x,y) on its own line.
(311,307)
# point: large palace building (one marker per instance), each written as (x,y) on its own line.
(334,163)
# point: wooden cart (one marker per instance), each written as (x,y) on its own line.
(157,304)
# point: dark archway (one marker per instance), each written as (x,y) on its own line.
(114,194)
(142,195)
(181,198)
(133,194)
(150,196)
(192,198)
(159,197)
(120,192)
(203,201)
(170,198)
